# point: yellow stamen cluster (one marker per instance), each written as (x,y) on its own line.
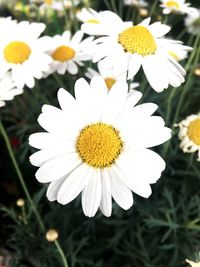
(172,4)
(138,39)
(99,145)
(194,131)
(17,52)
(109,82)
(63,53)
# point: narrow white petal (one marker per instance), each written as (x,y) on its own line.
(106,199)
(53,189)
(91,195)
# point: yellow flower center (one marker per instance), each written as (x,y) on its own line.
(174,55)
(17,52)
(109,82)
(48,2)
(93,21)
(63,53)
(138,39)
(172,4)
(194,131)
(99,145)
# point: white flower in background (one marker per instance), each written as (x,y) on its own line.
(189,134)
(192,22)
(177,50)
(58,5)
(69,52)
(110,76)
(131,47)
(176,6)
(23,53)
(8,89)
(98,23)
(136,3)
(98,144)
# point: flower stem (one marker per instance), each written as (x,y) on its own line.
(23,184)
(19,174)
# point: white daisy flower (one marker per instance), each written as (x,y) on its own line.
(176,50)
(136,3)
(98,23)
(23,53)
(131,47)
(177,6)
(189,134)
(68,52)
(192,22)
(110,76)
(98,144)
(8,89)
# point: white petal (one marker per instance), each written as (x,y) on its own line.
(134,65)
(73,184)
(120,192)
(57,168)
(53,189)
(91,195)
(106,199)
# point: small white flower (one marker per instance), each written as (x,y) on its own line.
(143,45)
(192,22)
(189,134)
(98,23)
(110,76)
(68,52)
(177,6)
(136,3)
(98,144)
(8,89)
(57,5)
(23,53)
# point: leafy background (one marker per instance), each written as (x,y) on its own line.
(161,231)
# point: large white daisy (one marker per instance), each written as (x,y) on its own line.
(68,52)
(23,53)
(110,76)
(141,45)
(192,22)
(98,144)
(189,134)
(175,6)
(8,89)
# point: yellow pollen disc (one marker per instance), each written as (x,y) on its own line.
(138,39)
(194,131)
(174,55)
(93,21)
(48,2)
(63,53)
(109,82)
(172,4)
(99,145)
(17,52)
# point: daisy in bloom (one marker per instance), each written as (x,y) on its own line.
(98,23)
(98,144)
(23,53)
(110,76)
(189,134)
(130,47)
(176,50)
(68,52)
(136,3)
(177,6)
(192,22)
(57,5)
(8,89)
